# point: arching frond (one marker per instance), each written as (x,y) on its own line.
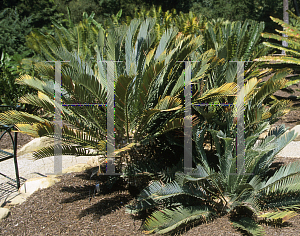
(170,219)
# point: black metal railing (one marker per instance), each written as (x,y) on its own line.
(4,155)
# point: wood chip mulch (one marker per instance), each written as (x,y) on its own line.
(65,209)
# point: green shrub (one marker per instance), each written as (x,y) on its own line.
(10,69)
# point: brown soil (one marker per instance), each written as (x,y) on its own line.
(66,209)
(6,142)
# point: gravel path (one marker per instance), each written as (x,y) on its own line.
(292,150)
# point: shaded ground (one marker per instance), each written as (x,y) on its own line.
(65,209)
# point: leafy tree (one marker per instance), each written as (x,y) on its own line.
(103,9)
(40,11)
(10,68)
(13,30)
(179,5)
(233,10)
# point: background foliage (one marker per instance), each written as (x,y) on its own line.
(149,95)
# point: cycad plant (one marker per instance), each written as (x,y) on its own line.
(187,23)
(291,58)
(206,193)
(223,119)
(81,38)
(216,189)
(292,50)
(257,94)
(235,41)
(148,89)
(232,41)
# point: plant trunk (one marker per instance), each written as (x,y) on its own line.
(286,20)
(296,7)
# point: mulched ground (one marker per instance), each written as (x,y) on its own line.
(6,142)
(66,209)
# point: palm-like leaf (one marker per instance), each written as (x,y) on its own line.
(249,225)
(170,219)
(223,191)
(147,106)
(291,59)
(274,216)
